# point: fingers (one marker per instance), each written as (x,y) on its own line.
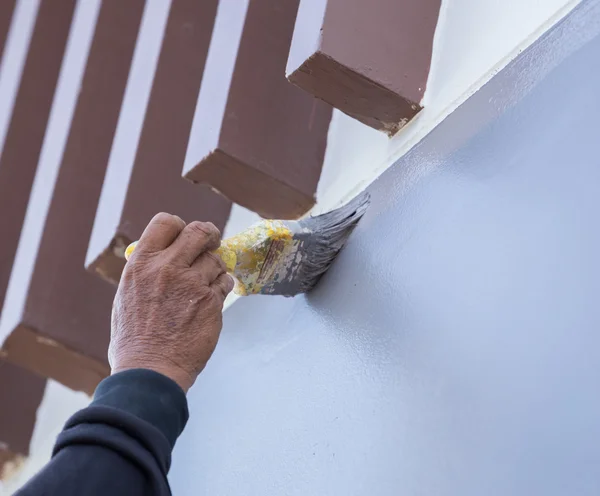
(223,285)
(162,230)
(195,239)
(208,268)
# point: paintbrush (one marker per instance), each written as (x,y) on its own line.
(280,257)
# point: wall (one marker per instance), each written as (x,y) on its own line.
(356,154)
(453,349)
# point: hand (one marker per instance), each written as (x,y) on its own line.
(167,313)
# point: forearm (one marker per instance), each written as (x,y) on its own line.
(121,444)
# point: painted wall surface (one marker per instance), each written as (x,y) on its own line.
(453,349)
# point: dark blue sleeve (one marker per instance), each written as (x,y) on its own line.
(121,444)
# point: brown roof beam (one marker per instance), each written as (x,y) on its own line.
(25,135)
(7,8)
(21,393)
(257,139)
(369,59)
(56,317)
(155,183)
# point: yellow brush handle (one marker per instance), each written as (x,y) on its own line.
(227,255)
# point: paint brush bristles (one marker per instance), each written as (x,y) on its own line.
(295,263)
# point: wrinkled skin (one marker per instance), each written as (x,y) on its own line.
(167,313)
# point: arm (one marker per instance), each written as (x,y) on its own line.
(165,326)
(121,443)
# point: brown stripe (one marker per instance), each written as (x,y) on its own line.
(25,134)
(67,307)
(368,59)
(269,152)
(7,8)
(21,393)
(156,183)
(39,354)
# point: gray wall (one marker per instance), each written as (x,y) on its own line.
(454,348)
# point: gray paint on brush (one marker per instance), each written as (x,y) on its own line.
(453,348)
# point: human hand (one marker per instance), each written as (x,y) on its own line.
(167,314)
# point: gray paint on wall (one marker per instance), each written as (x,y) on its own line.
(454,347)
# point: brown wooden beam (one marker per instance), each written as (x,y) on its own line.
(25,134)
(21,393)
(257,139)
(155,183)
(367,58)
(7,8)
(56,321)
